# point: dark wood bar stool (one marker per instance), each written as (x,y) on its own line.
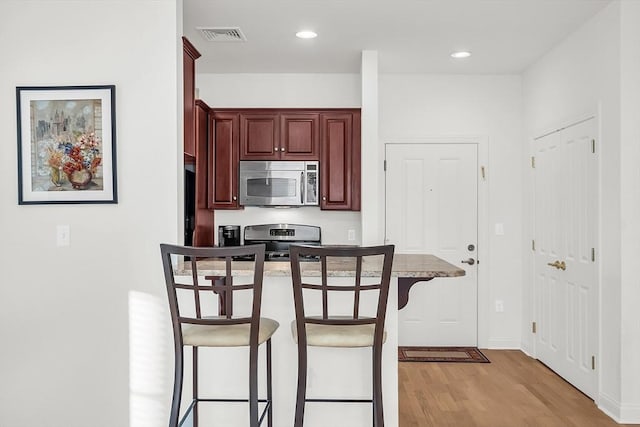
(326,326)
(195,323)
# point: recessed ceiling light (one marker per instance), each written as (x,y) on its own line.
(306,34)
(461,54)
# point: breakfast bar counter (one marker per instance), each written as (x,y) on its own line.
(348,371)
(424,267)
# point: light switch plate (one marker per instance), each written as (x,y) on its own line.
(62,235)
(499,229)
(351,235)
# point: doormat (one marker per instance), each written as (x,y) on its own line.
(441,354)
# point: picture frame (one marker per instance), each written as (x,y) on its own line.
(66,144)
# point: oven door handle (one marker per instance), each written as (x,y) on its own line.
(302,188)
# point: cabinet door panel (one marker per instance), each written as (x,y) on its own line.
(223,161)
(336,161)
(189,56)
(259,137)
(203,230)
(300,136)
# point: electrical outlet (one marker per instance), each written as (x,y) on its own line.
(351,235)
(62,235)
(499,306)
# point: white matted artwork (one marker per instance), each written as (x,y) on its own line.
(66,144)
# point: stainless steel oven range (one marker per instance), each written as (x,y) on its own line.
(278,237)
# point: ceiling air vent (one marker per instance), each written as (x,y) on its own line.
(222,34)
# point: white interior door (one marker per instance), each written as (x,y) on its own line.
(432,207)
(566,232)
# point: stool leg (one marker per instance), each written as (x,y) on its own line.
(269,387)
(177,386)
(377,387)
(253,386)
(195,385)
(302,383)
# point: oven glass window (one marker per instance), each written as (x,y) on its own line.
(272,187)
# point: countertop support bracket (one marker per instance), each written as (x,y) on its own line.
(404,285)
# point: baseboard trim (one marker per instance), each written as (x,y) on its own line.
(503,344)
(609,406)
(619,412)
(526,349)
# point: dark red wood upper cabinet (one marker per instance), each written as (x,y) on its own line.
(331,136)
(340,161)
(335,161)
(259,136)
(203,228)
(223,160)
(300,136)
(189,56)
(279,135)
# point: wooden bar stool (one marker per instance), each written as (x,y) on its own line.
(196,324)
(327,326)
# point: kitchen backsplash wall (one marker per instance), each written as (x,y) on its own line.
(335,225)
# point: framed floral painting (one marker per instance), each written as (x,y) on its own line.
(66,144)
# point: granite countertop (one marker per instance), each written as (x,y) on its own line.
(404,265)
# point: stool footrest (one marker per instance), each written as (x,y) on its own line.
(228,400)
(196,401)
(341,400)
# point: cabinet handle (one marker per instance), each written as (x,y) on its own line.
(277,148)
(324,198)
(282,149)
(235,198)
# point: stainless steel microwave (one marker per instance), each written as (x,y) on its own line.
(279,183)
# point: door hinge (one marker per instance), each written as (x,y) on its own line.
(533,327)
(533,162)
(533,245)
(593,254)
(385,166)
(593,146)
(593,363)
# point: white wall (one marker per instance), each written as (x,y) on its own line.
(597,69)
(419,106)
(580,76)
(286,91)
(630,210)
(409,106)
(372,152)
(72,319)
(279,90)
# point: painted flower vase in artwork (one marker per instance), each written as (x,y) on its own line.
(80,179)
(56,178)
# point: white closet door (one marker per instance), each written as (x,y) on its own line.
(565,235)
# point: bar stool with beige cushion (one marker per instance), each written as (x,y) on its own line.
(330,326)
(197,324)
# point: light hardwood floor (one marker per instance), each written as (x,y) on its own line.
(513,390)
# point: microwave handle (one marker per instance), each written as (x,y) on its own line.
(302,188)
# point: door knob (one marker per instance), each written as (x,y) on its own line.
(560,265)
(469,261)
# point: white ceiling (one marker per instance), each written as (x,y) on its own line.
(411,36)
